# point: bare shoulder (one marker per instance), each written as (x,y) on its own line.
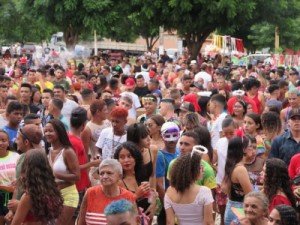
(154,149)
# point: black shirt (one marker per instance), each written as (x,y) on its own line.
(141,91)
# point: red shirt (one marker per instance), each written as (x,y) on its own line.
(233,100)
(78,147)
(279,200)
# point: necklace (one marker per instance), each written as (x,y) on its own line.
(113,143)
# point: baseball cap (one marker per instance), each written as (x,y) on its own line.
(170,131)
(32,133)
(294,112)
(187,106)
(130,82)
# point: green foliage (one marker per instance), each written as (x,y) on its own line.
(17,27)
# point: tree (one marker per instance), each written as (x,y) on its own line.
(258,31)
(16,27)
(147,29)
(73,17)
(195,20)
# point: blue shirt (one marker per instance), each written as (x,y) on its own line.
(12,133)
(162,164)
(284,147)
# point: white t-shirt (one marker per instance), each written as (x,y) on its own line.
(109,142)
(66,111)
(216,128)
(145,75)
(205,76)
(221,148)
(3,121)
(135,103)
(8,168)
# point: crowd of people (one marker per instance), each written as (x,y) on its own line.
(150,140)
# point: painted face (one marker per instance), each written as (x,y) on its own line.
(126,160)
(229,132)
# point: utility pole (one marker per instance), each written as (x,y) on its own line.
(95,43)
(276,37)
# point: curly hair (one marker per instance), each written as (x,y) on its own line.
(277,178)
(37,180)
(119,112)
(185,171)
(132,148)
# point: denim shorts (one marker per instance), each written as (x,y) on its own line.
(229,215)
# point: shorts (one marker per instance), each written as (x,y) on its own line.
(229,214)
(81,195)
(221,197)
(4,198)
(70,196)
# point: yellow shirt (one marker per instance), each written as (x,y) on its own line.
(47,83)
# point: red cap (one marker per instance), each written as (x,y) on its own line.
(152,73)
(130,82)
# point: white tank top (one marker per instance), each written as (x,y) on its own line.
(95,134)
(58,165)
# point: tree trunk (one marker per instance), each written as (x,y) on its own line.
(195,41)
(150,41)
(71,37)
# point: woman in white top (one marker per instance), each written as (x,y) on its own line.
(65,166)
(190,203)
